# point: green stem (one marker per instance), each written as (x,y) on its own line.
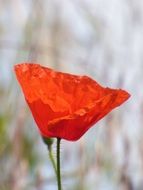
(58,165)
(52,159)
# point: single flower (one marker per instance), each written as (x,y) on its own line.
(65,105)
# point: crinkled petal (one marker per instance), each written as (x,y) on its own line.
(84,119)
(65,105)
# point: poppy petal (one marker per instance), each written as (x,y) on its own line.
(65,105)
(84,119)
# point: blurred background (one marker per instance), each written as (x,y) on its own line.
(99,38)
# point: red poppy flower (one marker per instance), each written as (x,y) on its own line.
(65,105)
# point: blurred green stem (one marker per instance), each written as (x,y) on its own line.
(52,159)
(58,165)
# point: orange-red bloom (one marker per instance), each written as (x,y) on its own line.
(65,105)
